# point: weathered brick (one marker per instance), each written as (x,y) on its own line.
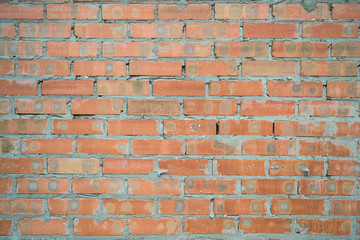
(157,146)
(96,106)
(243,206)
(326,187)
(185,206)
(300,49)
(20,48)
(344,89)
(18,87)
(267,108)
(184,49)
(6,67)
(128,49)
(302,128)
(191,11)
(44,67)
(239,167)
(100,30)
(42,185)
(161,226)
(77,126)
(127,166)
(5,185)
(294,89)
(4,105)
(90,227)
(156,30)
(133,127)
(269,186)
(164,186)
(270,30)
(73,165)
(185,166)
(345,207)
(178,88)
(327,108)
(297,11)
(268,68)
(5,227)
(23,126)
(128,207)
(325,148)
(153,107)
(210,186)
(345,11)
(44,30)
(241,11)
(9,145)
(155,68)
(98,185)
(190,127)
(265,225)
(67,87)
(99,68)
(40,106)
(72,11)
(72,49)
(78,206)
(298,206)
(330,69)
(47,146)
(269,147)
(210,107)
(21,11)
(245,127)
(330,30)
(101,146)
(7,30)
(212,30)
(210,147)
(21,165)
(130,11)
(241,49)
(21,206)
(40,226)
(343,168)
(209,226)
(325,226)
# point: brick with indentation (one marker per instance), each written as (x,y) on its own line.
(241,49)
(44,67)
(42,185)
(161,226)
(327,108)
(178,88)
(72,11)
(269,68)
(325,226)
(21,206)
(129,11)
(101,146)
(68,87)
(209,225)
(241,11)
(343,168)
(5,184)
(18,87)
(326,187)
(340,89)
(20,48)
(40,106)
(6,67)
(243,206)
(330,30)
(296,167)
(153,107)
(265,225)
(164,186)
(330,69)
(185,206)
(7,30)
(21,165)
(78,206)
(270,30)
(157,146)
(100,68)
(325,148)
(133,127)
(210,186)
(239,167)
(345,207)
(128,207)
(297,206)
(96,106)
(155,68)
(156,30)
(345,11)
(190,127)
(72,49)
(73,165)
(100,30)
(44,30)
(91,227)
(21,11)
(245,127)
(184,49)
(300,49)
(77,126)
(127,166)
(47,146)
(212,30)
(297,11)
(210,147)
(98,185)
(295,89)
(210,107)
(40,226)
(185,166)
(301,128)
(267,108)
(191,11)
(23,126)
(269,186)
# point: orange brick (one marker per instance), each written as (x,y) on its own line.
(130,11)
(98,185)
(44,30)
(327,108)
(245,127)
(100,30)
(18,87)
(90,227)
(77,126)
(4,106)
(267,108)
(212,30)
(40,106)
(345,49)
(345,11)
(209,225)
(191,11)
(324,68)
(269,68)
(325,148)
(78,206)
(5,184)
(7,30)
(296,167)
(123,87)
(270,30)
(21,206)
(68,87)
(297,11)
(9,145)
(39,226)
(297,206)
(5,227)
(265,225)
(244,206)
(185,166)
(343,89)
(101,146)
(20,48)
(42,185)
(210,107)
(236,88)
(47,146)
(184,49)
(44,67)
(153,107)
(210,186)
(330,30)
(23,126)
(128,207)
(155,68)
(21,11)
(157,146)
(164,186)
(294,89)
(326,187)
(128,49)
(178,88)
(300,49)
(241,49)
(302,128)
(210,147)
(100,68)
(127,166)
(6,67)
(269,186)
(72,11)
(73,165)
(72,49)
(190,127)
(182,206)
(241,11)
(343,168)
(345,207)
(133,127)
(161,226)
(156,30)
(96,106)
(325,226)
(239,167)
(215,68)
(21,165)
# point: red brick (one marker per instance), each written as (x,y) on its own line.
(18,87)
(210,107)
(128,207)
(91,227)
(191,11)
(265,225)
(241,11)
(101,146)
(72,11)
(297,11)
(326,187)
(21,165)
(128,49)
(21,206)
(235,88)
(98,185)
(20,48)
(72,49)
(296,167)
(161,226)
(345,49)
(133,127)
(5,227)
(77,126)
(325,148)
(269,186)
(327,108)
(325,226)
(47,146)
(73,165)
(215,68)
(96,106)
(241,49)
(6,67)
(44,67)
(245,127)
(209,226)
(100,30)
(39,226)
(178,88)
(212,30)
(297,206)
(343,168)
(343,89)
(40,106)
(164,186)
(302,128)
(190,127)
(44,30)
(163,107)
(185,206)
(267,108)
(210,147)
(330,69)
(100,68)
(21,11)
(300,49)
(127,166)
(68,87)
(7,30)
(345,11)
(4,106)
(185,166)
(23,126)
(244,206)
(330,30)
(156,30)
(5,184)
(184,49)
(130,11)
(9,145)
(294,89)
(346,129)
(345,207)
(270,30)
(210,186)
(155,68)
(78,206)
(157,146)
(123,87)
(42,185)
(239,167)
(269,68)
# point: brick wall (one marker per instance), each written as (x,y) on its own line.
(179,120)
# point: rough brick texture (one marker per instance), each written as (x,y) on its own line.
(192,119)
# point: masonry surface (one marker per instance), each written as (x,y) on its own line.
(179,119)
